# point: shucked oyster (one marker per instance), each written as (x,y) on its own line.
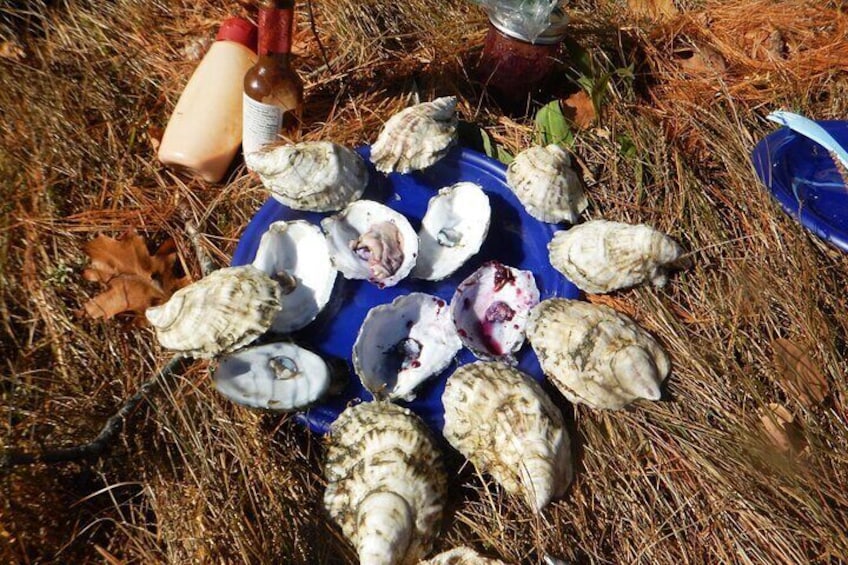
(386,484)
(296,255)
(371,241)
(503,422)
(416,137)
(547,186)
(595,355)
(402,344)
(453,229)
(220,313)
(601,256)
(318,176)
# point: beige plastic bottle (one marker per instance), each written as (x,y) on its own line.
(204,132)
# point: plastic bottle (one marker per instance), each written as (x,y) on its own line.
(204,132)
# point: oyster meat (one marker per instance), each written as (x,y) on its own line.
(402,344)
(296,255)
(220,313)
(461,555)
(595,355)
(318,176)
(416,137)
(503,422)
(453,229)
(275,376)
(490,308)
(601,256)
(547,186)
(371,241)
(386,484)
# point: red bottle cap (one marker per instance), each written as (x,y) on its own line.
(239,30)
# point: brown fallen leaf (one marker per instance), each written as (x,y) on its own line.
(136,280)
(579,109)
(797,374)
(765,44)
(781,428)
(11,50)
(700,60)
(653,9)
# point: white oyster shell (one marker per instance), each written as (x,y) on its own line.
(601,256)
(416,137)
(547,186)
(490,309)
(386,484)
(275,376)
(595,355)
(453,229)
(297,256)
(503,422)
(371,241)
(402,344)
(318,176)
(220,313)
(461,555)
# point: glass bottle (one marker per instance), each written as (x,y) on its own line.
(273,92)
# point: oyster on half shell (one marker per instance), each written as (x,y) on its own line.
(547,186)
(462,555)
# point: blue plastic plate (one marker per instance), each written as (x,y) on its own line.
(803,178)
(515,238)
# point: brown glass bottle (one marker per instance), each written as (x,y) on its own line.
(273,92)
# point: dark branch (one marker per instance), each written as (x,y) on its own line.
(317,37)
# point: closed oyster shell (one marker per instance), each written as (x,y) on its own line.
(416,137)
(503,422)
(386,484)
(461,555)
(547,186)
(318,176)
(595,355)
(220,313)
(601,256)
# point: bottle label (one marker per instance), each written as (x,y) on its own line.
(275,30)
(261,124)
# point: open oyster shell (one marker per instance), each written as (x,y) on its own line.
(275,376)
(601,256)
(453,229)
(218,314)
(416,137)
(503,422)
(402,344)
(318,176)
(490,308)
(386,483)
(547,186)
(461,555)
(595,355)
(296,255)
(371,241)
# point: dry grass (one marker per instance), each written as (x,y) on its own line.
(693,479)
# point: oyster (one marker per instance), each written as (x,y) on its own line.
(461,556)
(318,176)
(503,422)
(275,376)
(220,313)
(601,256)
(490,308)
(453,229)
(547,186)
(402,344)
(371,241)
(297,256)
(595,355)
(416,137)
(386,484)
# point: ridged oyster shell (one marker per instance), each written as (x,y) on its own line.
(371,241)
(318,176)
(220,313)
(595,355)
(490,308)
(461,555)
(297,256)
(386,484)
(453,229)
(602,256)
(402,344)
(416,137)
(547,186)
(275,376)
(503,422)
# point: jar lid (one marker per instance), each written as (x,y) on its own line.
(514,25)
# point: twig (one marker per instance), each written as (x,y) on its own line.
(317,37)
(206,263)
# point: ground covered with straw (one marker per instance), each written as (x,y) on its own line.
(744,460)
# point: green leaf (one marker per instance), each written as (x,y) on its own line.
(474,137)
(552,127)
